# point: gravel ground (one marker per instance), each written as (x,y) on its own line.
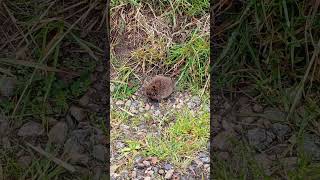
(75,136)
(264,129)
(151,167)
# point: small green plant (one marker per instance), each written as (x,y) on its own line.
(182,140)
(193,56)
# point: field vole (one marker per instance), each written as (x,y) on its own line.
(159,87)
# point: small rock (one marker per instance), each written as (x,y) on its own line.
(97,171)
(31,129)
(4,127)
(6,144)
(243,100)
(141,109)
(222,140)
(147,107)
(112,87)
(157,113)
(279,129)
(147,178)
(77,113)
(265,162)
(198,162)
(196,100)
(311,145)
(84,100)
(138,159)
(260,138)
(161,171)
(226,105)
(169,174)
(119,103)
(289,162)
(134,174)
(205,159)
(257,108)
(168,166)
(73,146)
(99,152)
(227,125)
(146,163)
(223,156)
(7,86)
(58,133)
(128,103)
(150,173)
(25,161)
(274,114)
(120,145)
(76,158)
(140,165)
(154,160)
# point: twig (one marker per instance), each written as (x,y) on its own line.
(52,158)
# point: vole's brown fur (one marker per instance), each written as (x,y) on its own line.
(159,87)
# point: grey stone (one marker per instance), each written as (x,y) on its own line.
(257,108)
(84,100)
(77,113)
(167,166)
(280,129)
(222,141)
(169,174)
(73,146)
(311,145)
(264,161)
(260,138)
(146,163)
(99,152)
(7,86)
(25,161)
(4,127)
(58,133)
(161,171)
(274,114)
(31,129)
(120,145)
(77,158)
(128,103)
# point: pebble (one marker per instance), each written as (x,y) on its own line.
(226,105)
(25,161)
(112,87)
(77,113)
(120,145)
(147,107)
(169,174)
(128,103)
(260,138)
(31,129)
(141,109)
(147,178)
(146,163)
(58,133)
(99,152)
(140,165)
(133,174)
(84,100)
(7,86)
(168,166)
(157,113)
(257,108)
(161,171)
(119,103)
